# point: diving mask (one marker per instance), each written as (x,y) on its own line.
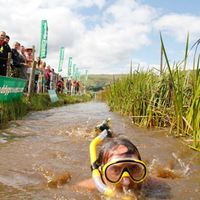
(135,169)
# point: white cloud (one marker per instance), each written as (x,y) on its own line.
(178,25)
(111,44)
(107,46)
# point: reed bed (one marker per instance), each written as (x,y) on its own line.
(169,99)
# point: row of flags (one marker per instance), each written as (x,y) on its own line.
(73,71)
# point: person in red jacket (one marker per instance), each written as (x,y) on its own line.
(60,84)
(47,77)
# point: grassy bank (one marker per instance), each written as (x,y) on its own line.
(168,99)
(17,109)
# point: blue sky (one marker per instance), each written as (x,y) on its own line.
(176,48)
(103,36)
(177,6)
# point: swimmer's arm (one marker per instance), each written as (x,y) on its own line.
(87,184)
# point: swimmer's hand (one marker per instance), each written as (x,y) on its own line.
(110,133)
(102,127)
(105,125)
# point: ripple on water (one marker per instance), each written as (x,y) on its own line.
(7,136)
(3,140)
(21,179)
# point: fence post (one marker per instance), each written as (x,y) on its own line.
(32,75)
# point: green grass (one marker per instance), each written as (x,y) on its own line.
(169,99)
(12,111)
(17,109)
(97,82)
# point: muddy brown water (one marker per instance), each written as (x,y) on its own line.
(42,151)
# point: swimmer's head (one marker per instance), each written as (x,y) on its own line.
(121,165)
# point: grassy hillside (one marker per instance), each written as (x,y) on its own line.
(97,82)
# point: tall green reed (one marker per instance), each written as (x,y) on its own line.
(169,99)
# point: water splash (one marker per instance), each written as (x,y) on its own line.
(128,194)
(185,167)
(158,170)
(54,179)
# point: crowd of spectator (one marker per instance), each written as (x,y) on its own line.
(18,62)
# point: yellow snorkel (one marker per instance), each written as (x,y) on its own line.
(96,175)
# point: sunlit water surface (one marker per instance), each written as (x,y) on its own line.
(44,155)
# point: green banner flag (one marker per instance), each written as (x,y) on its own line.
(74,70)
(86,75)
(43,40)
(62,49)
(11,88)
(70,66)
(77,73)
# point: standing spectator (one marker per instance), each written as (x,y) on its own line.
(23,58)
(19,62)
(73,87)
(22,52)
(52,80)
(38,62)
(7,39)
(37,72)
(77,86)
(4,50)
(60,84)
(47,77)
(29,60)
(29,56)
(41,78)
(69,85)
